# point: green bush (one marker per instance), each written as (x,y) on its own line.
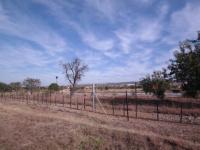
(4,87)
(54,87)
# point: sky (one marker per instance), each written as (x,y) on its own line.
(120,40)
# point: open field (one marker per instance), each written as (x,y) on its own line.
(42,126)
(51,121)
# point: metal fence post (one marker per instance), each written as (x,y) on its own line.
(113,107)
(136,108)
(63,99)
(127,106)
(157,110)
(84,101)
(181,113)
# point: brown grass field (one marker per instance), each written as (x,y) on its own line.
(49,127)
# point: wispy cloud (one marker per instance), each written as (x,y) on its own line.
(119,40)
(105,7)
(20,24)
(184,23)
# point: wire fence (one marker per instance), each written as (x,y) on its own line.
(120,104)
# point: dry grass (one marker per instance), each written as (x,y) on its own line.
(51,127)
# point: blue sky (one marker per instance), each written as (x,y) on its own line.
(120,40)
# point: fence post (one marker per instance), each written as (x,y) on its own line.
(50,97)
(47,96)
(55,98)
(38,98)
(181,115)
(84,101)
(157,110)
(42,98)
(77,102)
(136,108)
(124,107)
(135,90)
(113,107)
(127,106)
(27,98)
(63,99)
(70,100)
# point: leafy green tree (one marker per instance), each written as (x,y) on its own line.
(157,84)
(185,68)
(53,87)
(4,87)
(31,84)
(146,84)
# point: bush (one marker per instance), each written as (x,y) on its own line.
(4,87)
(156,84)
(54,87)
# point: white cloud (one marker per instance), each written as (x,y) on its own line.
(23,26)
(183,24)
(87,36)
(145,31)
(126,39)
(20,56)
(99,44)
(105,7)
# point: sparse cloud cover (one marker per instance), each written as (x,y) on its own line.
(119,40)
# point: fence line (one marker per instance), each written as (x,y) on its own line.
(127,103)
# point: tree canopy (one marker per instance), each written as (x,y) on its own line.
(157,84)
(185,68)
(53,87)
(31,84)
(4,87)
(15,85)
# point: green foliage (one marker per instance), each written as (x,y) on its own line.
(4,87)
(156,84)
(146,84)
(15,85)
(31,84)
(185,68)
(53,87)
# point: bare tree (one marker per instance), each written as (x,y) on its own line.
(74,71)
(31,84)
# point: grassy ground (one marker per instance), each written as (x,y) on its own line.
(24,127)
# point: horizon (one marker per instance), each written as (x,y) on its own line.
(120,41)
